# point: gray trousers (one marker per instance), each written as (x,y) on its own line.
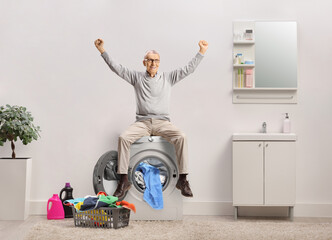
(152,127)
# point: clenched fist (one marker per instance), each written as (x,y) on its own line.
(203,45)
(99,43)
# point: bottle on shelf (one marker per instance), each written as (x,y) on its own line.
(240,79)
(235,59)
(238,36)
(248,35)
(239,58)
(249,78)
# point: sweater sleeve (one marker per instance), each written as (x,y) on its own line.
(129,75)
(180,73)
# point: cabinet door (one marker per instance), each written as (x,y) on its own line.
(247,173)
(280,173)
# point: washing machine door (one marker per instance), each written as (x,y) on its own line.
(165,164)
(105,177)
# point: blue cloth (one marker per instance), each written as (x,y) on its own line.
(153,193)
(74,201)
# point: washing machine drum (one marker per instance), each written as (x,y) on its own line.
(105,177)
(137,178)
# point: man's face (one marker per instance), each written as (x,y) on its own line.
(151,62)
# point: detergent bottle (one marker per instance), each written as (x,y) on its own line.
(55,208)
(68,190)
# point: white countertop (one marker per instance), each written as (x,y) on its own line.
(264,136)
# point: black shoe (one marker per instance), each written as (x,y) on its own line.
(185,188)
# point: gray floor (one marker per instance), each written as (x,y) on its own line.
(16,230)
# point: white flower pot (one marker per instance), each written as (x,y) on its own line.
(15,182)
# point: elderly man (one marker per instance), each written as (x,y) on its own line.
(153,91)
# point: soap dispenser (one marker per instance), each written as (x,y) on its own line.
(286,128)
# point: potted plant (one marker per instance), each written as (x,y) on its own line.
(15,173)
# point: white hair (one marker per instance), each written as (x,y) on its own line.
(151,52)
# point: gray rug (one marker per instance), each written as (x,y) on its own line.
(190,228)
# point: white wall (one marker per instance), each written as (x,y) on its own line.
(50,65)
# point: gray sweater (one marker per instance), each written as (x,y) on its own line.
(152,94)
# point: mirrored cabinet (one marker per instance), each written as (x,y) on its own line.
(264,62)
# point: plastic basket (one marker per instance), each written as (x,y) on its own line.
(102,218)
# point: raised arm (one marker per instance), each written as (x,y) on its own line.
(180,73)
(129,75)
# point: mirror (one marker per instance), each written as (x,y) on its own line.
(276,55)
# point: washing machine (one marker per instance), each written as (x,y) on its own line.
(153,150)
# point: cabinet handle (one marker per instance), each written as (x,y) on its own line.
(259,145)
(267,145)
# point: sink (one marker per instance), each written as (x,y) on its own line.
(264,136)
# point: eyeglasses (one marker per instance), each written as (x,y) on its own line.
(152,60)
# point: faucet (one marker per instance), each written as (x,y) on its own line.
(264,127)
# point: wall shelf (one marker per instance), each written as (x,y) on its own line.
(244,42)
(264,89)
(264,95)
(244,65)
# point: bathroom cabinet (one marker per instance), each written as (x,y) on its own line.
(264,173)
(271,51)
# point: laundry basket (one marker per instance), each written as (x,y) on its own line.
(105,217)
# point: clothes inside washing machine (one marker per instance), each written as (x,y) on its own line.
(110,171)
(155,162)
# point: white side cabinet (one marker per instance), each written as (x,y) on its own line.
(264,173)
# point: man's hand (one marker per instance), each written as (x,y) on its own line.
(203,45)
(99,43)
